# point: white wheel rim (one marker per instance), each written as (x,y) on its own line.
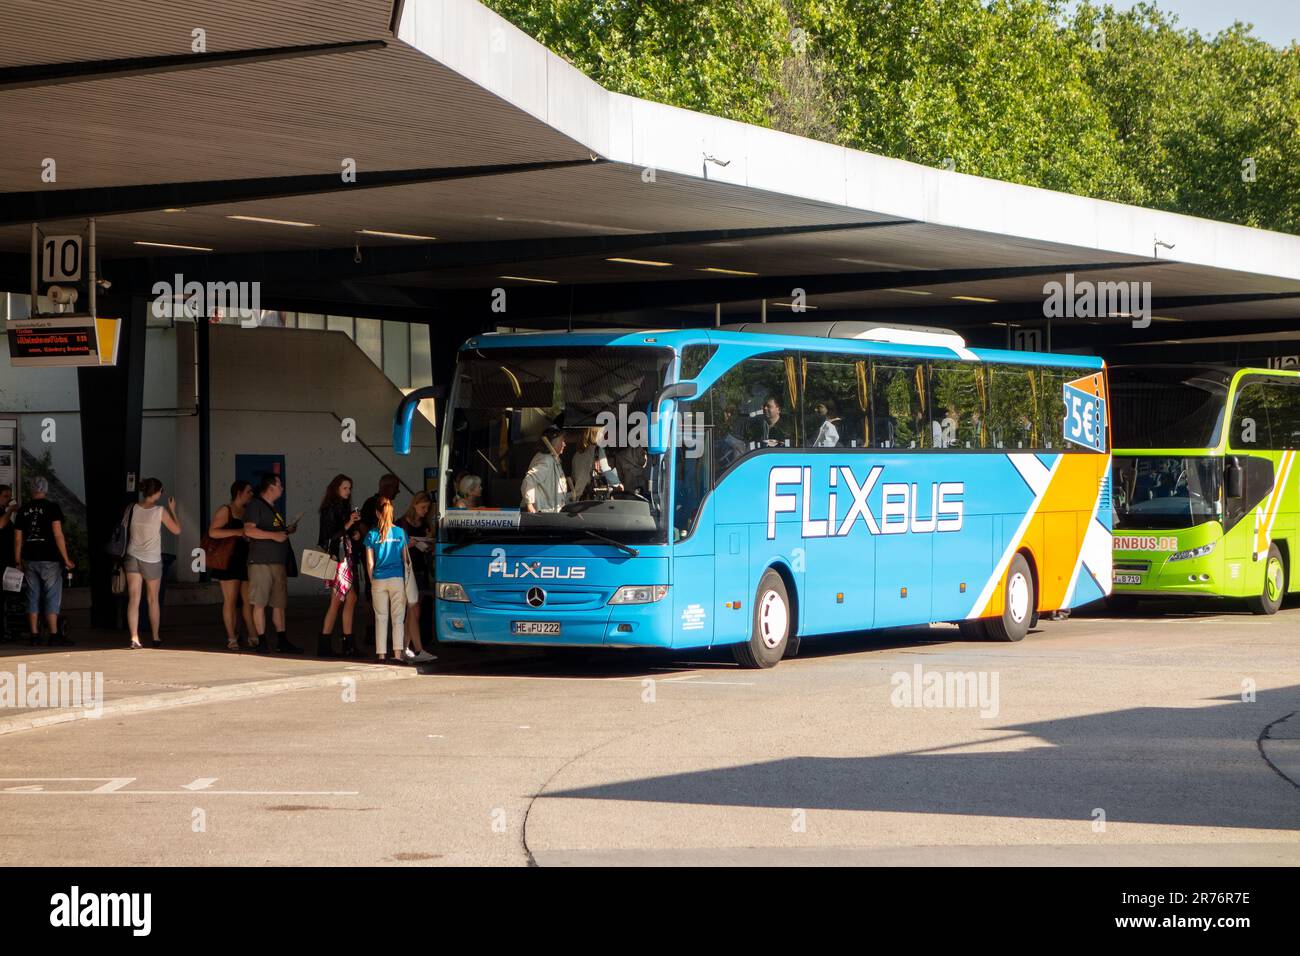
(773,619)
(1018,597)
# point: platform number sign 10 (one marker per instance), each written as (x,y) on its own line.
(61,259)
(1085,412)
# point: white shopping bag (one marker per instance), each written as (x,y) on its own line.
(317,564)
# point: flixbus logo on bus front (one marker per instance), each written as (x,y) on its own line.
(904,507)
(500,567)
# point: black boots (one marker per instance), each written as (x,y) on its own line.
(283,645)
(324,645)
(350,646)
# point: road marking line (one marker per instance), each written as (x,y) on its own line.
(202,783)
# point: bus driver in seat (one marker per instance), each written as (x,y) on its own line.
(544,486)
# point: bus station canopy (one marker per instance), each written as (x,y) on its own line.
(484,161)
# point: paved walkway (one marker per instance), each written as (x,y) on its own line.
(100,676)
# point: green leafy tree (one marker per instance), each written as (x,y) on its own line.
(1120,105)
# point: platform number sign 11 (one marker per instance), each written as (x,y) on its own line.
(1085,412)
(61,259)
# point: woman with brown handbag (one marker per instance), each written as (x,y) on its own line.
(227,557)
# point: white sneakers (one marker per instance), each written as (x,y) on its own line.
(419,658)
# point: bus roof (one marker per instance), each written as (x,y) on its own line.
(908,346)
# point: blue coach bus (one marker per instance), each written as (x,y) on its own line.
(761,484)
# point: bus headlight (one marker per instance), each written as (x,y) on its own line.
(639,594)
(448,591)
(1200,552)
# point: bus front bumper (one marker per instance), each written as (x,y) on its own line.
(629,625)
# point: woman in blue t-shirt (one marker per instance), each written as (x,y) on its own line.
(386,565)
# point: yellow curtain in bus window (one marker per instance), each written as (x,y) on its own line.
(1085,412)
(63,341)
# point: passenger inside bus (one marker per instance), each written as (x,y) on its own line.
(545,487)
(770,429)
(828,432)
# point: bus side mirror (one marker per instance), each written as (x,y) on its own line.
(661,417)
(406,412)
(1234,479)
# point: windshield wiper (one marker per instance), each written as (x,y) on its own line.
(626,548)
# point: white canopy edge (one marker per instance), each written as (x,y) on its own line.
(475,42)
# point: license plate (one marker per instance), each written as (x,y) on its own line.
(1128,579)
(534,627)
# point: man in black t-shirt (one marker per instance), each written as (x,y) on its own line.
(42,554)
(389,485)
(268,555)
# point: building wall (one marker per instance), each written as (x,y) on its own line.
(284,391)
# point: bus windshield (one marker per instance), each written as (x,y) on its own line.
(1167,406)
(1160,492)
(550,444)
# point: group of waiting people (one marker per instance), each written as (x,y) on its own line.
(379,558)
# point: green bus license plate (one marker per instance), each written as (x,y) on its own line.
(534,627)
(1128,579)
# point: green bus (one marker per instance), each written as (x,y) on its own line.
(1203,489)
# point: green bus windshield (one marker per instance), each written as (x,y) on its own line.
(1168,406)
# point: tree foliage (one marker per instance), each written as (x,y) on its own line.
(1120,105)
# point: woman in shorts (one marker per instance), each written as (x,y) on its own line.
(143,561)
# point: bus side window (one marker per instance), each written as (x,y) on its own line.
(835,400)
(1284,402)
(1251,422)
(754,407)
(1011,407)
(958,404)
(900,404)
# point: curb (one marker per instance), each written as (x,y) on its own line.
(203,695)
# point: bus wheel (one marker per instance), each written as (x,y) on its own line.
(1270,599)
(973,630)
(771,631)
(1018,604)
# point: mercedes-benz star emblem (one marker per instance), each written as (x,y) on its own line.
(536,597)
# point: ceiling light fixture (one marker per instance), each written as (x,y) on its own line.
(907,291)
(530,279)
(274,222)
(972,298)
(172,245)
(394,235)
(638,262)
(727,272)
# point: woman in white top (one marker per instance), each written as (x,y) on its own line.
(143,561)
(544,486)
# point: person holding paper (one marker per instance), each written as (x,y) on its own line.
(591,467)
